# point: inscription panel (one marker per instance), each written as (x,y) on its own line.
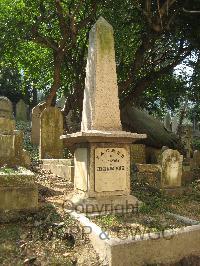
(110,169)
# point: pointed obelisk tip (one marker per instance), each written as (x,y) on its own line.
(102,20)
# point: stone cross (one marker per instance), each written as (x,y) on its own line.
(101,102)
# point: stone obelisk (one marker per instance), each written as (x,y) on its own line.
(102,149)
(101,102)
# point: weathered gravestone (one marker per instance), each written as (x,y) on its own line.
(17,188)
(171,164)
(138,154)
(167,122)
(7,126)
(196,159)
(102,149)
(11,140)
(35,125)
(6,108)
(51,128)
(21,111)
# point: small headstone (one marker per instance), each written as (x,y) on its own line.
(6,108)
(174,124)
(167,122)
(196,159)
(51,128)
(21,111)
(11,140)
(99,112)
(171,164)
(35,126)
(18,191)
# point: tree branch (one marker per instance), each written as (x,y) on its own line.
(61,19)
(144,82)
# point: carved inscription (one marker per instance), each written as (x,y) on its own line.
(110,169)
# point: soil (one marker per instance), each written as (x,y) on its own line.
(49,236)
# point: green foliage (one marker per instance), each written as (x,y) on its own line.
(25,127)
(165,94)
(196,144)
(147,47)
(10,82)
(7,170)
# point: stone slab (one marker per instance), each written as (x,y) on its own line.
(18,190)
(18,198)
(107,204)
(60,167)
(148,168)
(102,136)
(165,247)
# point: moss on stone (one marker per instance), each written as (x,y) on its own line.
(14,177)
(104,37)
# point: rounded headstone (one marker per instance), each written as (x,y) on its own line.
(6,108)
(21,111)
(51,128)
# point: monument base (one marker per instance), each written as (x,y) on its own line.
(102,205)
(18,190)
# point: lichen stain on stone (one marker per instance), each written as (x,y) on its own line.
(104,38)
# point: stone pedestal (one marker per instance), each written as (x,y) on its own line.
(102,149)
(102,171)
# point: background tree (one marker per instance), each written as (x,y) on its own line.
(48,40)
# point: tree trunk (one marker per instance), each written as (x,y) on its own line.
(58,61)
(34,101)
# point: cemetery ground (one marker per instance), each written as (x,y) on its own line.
(51,237)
